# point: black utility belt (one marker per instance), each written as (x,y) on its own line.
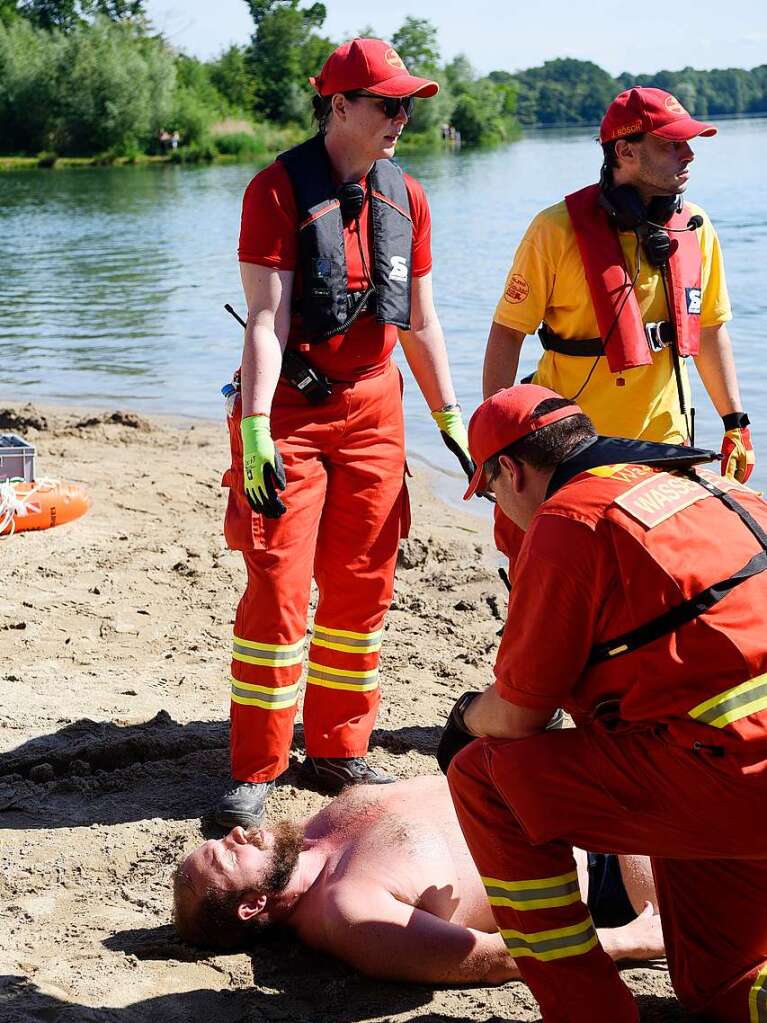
(659,335)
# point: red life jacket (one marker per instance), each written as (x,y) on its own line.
(608,278)
(672,540)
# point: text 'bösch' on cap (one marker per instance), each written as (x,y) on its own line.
(645,110)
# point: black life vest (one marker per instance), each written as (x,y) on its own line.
(327,307)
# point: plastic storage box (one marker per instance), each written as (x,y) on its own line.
(17,459)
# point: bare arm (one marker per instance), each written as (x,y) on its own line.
(501,358)
(381,937)
(491,715)
(424,347)
(716,367)
(366,927)
(268,294)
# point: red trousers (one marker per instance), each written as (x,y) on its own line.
(347,508)
(522,806)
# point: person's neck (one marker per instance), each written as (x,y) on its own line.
(312,861)
(345,162)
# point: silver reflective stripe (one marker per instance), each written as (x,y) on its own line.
(757,998)
(556,944)
(361,640)
(289,654)
(734,704)
(279,696)
(357,679)
(533,894)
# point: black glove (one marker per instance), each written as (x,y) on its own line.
(455,735)
(466,463)
(274,479)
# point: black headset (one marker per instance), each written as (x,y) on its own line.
(624,206)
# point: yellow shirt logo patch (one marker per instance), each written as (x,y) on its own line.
(517,289)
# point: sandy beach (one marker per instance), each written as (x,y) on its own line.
(115,632)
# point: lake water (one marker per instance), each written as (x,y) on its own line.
(113,280)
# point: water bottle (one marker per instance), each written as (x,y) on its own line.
(229,392)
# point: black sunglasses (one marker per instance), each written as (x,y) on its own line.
(391,105)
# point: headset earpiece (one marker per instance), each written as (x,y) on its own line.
(663,207)
(624,206)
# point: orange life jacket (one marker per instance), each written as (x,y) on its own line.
(692,650)
(607,278)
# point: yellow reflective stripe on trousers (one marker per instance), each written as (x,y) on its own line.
(341,678)
(539,893)
(346,641)
(733,704)
(270,655)
(267,697)
(561,943)
(757,998)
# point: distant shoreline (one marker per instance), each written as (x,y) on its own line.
(12,163)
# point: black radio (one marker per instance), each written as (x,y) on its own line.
(313,385)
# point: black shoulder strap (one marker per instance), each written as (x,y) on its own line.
(695,606)
(309,171)
(387,178)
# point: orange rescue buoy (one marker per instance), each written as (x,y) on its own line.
(40,505)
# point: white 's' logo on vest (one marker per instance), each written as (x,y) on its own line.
(693,301)
(398,268)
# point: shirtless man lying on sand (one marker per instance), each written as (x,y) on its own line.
(381,878)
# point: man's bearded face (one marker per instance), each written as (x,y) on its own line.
(288,843)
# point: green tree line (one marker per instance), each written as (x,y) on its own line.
(568,91)
(93,77)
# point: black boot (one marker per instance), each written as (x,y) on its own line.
(331,774)
(243,804)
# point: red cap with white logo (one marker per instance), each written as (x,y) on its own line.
(372,65)
(643,110)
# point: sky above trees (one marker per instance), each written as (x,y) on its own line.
(500,35)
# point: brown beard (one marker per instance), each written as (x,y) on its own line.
(288,843)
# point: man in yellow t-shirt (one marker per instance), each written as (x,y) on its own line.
(645,139)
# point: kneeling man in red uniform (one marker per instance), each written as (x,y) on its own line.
(644,589)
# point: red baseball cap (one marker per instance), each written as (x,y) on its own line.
(372,65)
(650,110)
(505,417)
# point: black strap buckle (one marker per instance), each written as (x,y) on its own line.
(659,335)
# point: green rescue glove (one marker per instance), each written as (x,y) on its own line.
(262,468)
(450,423)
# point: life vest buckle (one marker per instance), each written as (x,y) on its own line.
(659,335)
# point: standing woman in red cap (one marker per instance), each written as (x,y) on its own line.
(625,281)
(336,265)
